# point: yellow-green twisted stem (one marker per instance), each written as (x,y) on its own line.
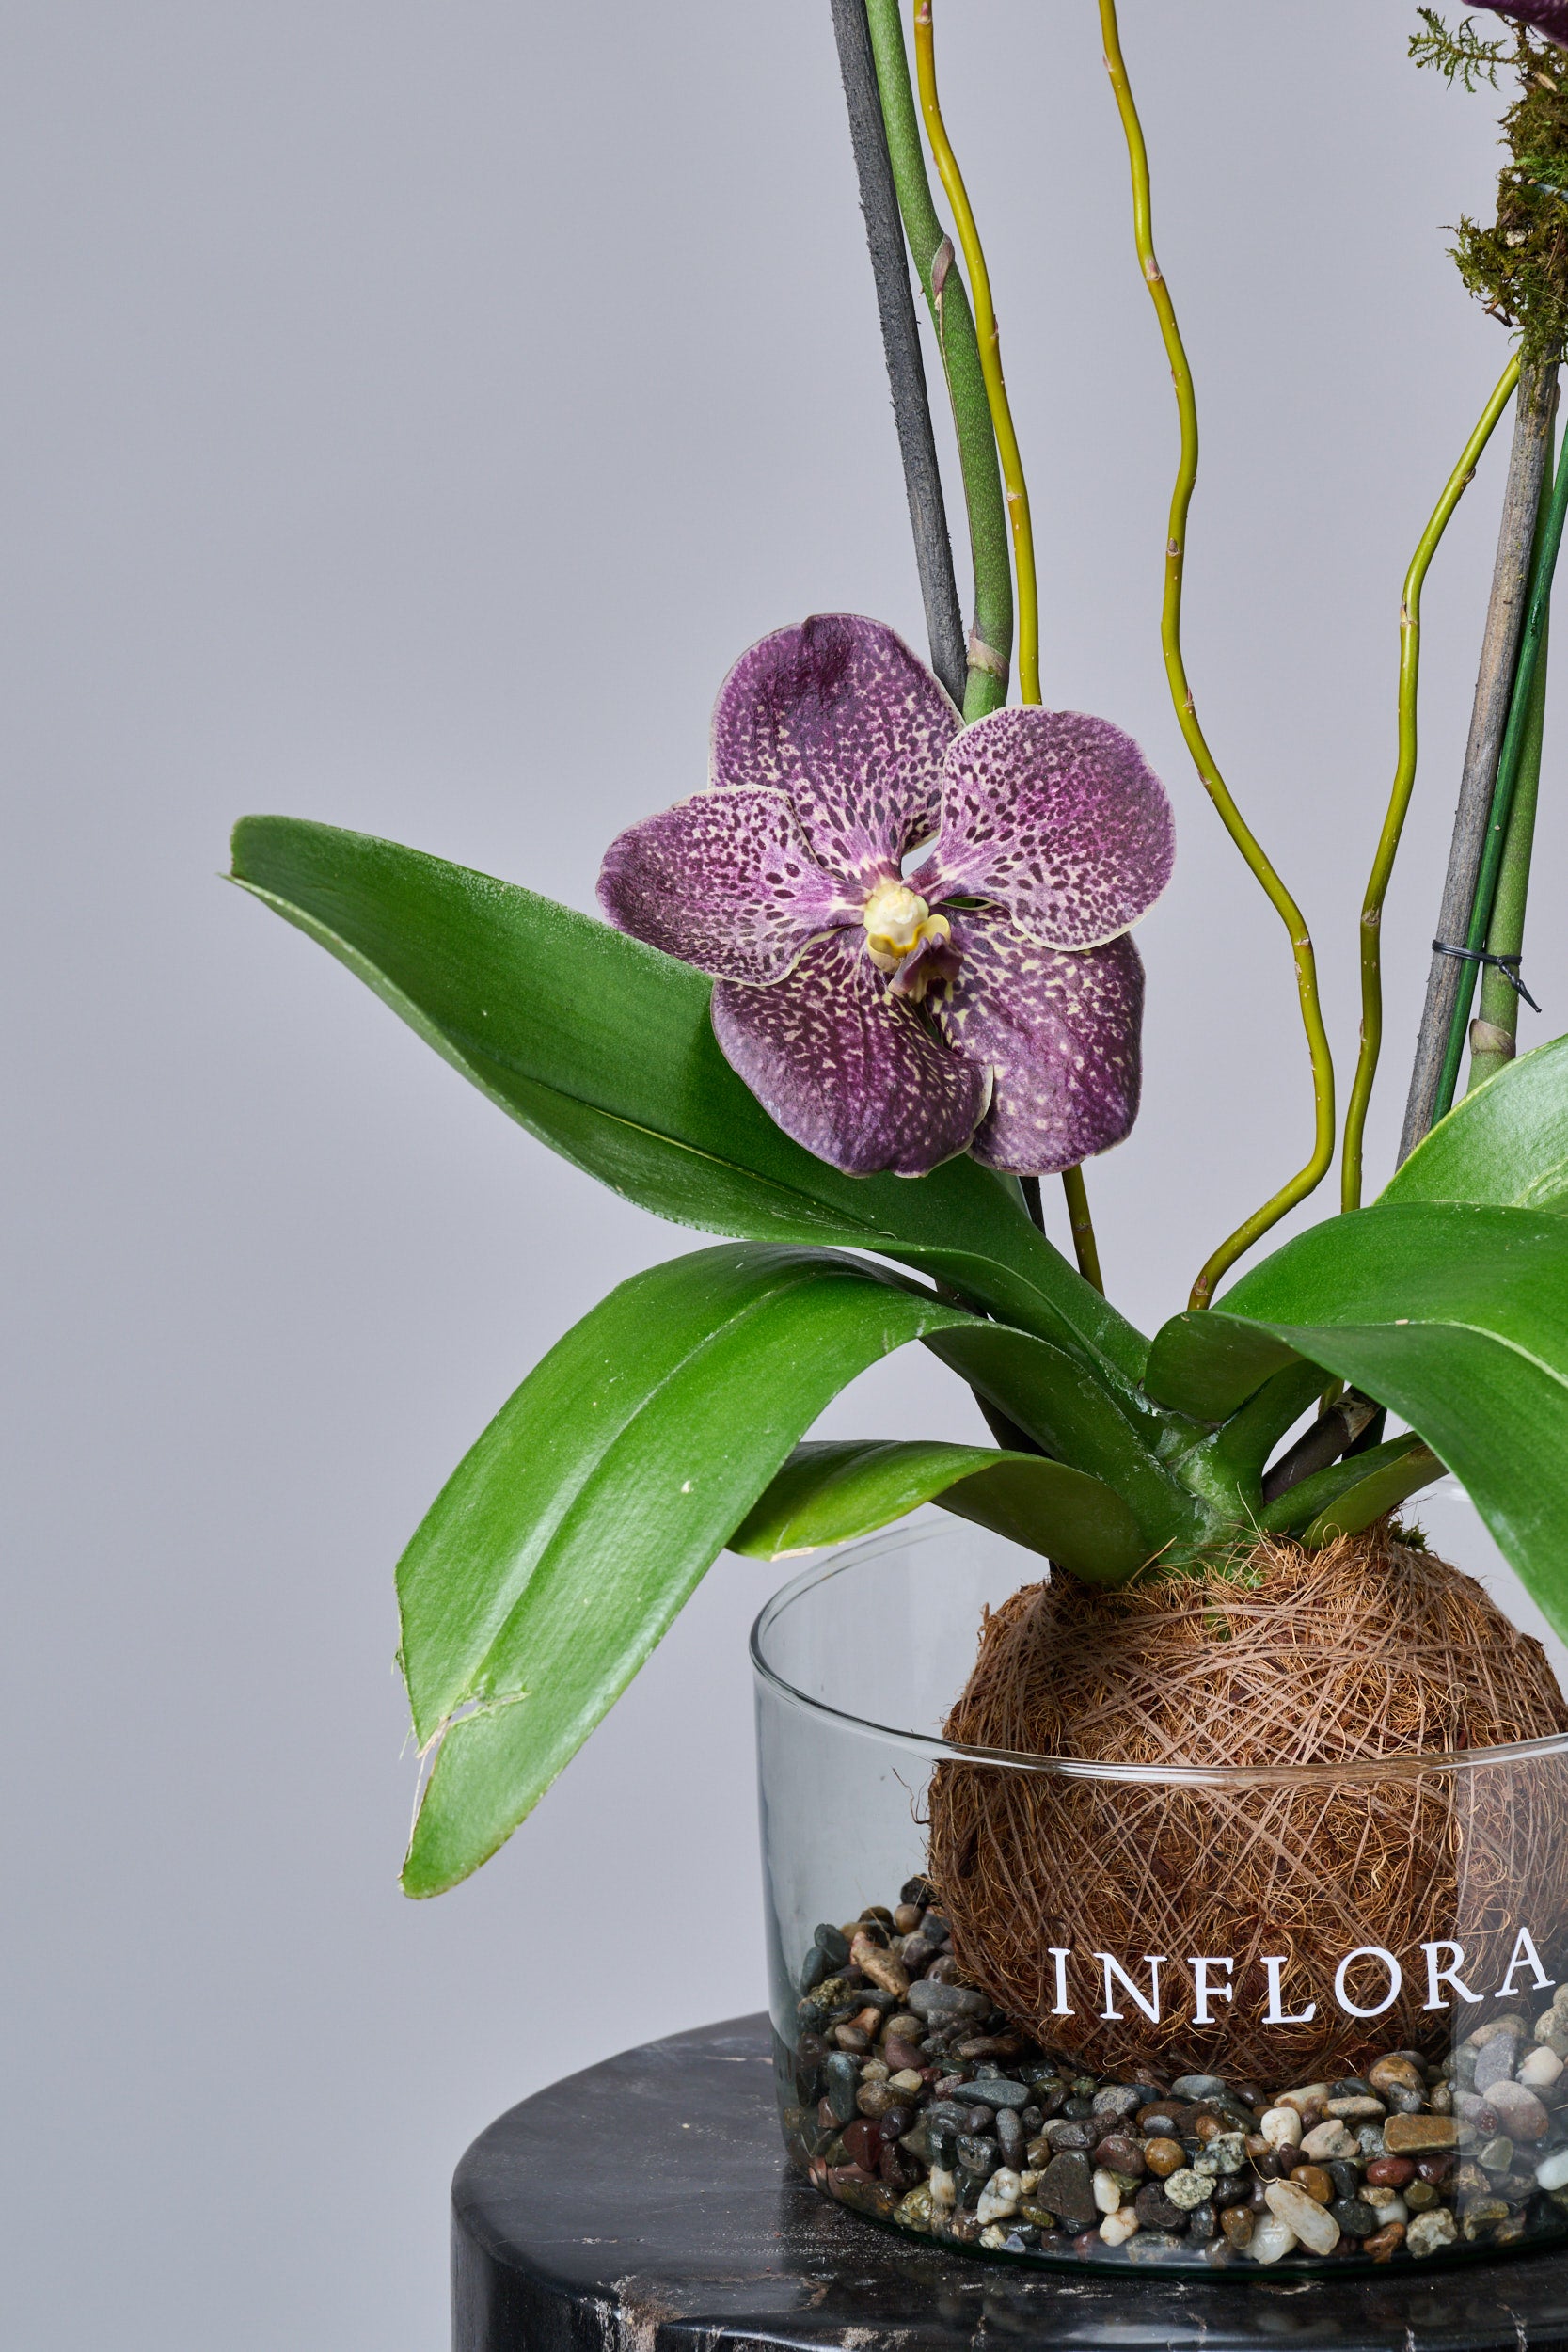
(1181,696)
(1404,780)
(990,356)
(1016,486)
(991,636)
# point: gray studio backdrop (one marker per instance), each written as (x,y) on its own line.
(409,412)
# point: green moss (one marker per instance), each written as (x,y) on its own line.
(1518,267)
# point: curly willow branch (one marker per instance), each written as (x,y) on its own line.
(1405,779)
(1019,521)
(1181,695)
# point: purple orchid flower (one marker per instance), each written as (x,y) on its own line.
(1547,16)
(990,1000)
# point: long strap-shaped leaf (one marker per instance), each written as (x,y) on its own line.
(561,1548)
(1054,1400)
(603,1048)
(828,1493)
(1506,1143)
(1457,1318)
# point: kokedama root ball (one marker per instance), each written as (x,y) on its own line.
(1369,1648)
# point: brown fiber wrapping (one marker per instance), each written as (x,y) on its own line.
(1368,1648)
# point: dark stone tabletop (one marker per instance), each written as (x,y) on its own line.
(645,2206)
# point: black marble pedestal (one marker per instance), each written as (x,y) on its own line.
(645,2206)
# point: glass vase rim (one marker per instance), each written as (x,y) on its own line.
(826,1564)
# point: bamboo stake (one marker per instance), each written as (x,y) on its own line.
(1526,464)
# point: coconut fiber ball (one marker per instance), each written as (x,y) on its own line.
(1373,1648)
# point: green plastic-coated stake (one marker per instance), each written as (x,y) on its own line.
(1508,762)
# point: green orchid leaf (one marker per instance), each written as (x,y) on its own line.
(1382,1489)
(1243,1444)
(830,1493)
(1345,1497)
(1456,1318)
(562,1547)
(1051,1396)
(1201,1365)
(603,1049)
(1505,1144)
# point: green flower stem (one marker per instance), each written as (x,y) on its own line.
(1500,1002)
(1509,762)
(906,369)
(990,346)
(1181,695)
(1405,779)
(992,634)
(1086,1249)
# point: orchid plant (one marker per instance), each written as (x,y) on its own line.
(874,980)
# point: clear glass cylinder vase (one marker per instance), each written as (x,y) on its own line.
(1127,2054)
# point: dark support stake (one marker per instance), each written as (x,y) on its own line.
(1526,466)
(906,369)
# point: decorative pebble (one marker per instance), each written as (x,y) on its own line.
(1396,2073)
(1415,2134)
(920,2101)
(1154,2208)
(1432,2231)
(843,2078)
(1390,2172)
(1116,2100)
(1119,2152)
(1518,2111)
(1272,2240)
(1494,2064)
(1327,2139)
(934,2002)
(996,2092)
(1226,2153)
(1065,2188)
(1539,2069)
(1312,2223)
(1000,2197)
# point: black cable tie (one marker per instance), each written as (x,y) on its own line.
(1507,965)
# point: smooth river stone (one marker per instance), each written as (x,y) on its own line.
(1312,2223)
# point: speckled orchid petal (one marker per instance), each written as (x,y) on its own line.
(1060,1035)
(838,713)
(725,881)
(1057,819)
(1543,16)
(852,1075)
